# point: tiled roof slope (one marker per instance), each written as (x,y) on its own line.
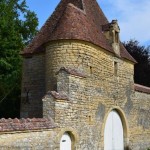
(141,88)
(75,19)
(9,125)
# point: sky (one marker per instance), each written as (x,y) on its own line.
(133,16)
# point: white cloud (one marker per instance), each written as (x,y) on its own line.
(133,17)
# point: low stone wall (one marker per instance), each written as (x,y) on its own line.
(140,119)
(28,140)
(18,134)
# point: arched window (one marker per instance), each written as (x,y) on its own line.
(65,142)
(113,133)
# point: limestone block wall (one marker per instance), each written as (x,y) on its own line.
(140,121)
(87,118)
(33,86)
(39,140)
(90,98)
(101,84)
(88,58)
(73,116)
(80,104)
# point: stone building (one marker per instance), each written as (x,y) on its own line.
(78,87)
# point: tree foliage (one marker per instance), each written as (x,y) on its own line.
(18,25)
(142,56)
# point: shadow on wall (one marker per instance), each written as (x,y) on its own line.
(127,148)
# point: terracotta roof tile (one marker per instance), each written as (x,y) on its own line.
(74,19)
(141,88)
(9,125)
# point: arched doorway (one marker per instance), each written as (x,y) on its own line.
(65,142)
(113,133)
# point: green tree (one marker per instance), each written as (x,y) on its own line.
(142,56)
(18,26)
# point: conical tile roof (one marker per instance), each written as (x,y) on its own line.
(75,19)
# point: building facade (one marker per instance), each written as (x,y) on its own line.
(78,87)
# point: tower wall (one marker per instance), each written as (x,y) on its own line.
(87,58)
(33,86)
(92,97)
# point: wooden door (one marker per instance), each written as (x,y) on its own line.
(113,134)
(65,142)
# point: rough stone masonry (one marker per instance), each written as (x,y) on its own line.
(75,73)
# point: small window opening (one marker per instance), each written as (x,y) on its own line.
(91,70)
(115,68)
(90,119)
(116,37)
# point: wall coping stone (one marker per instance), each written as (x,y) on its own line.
(57,95)
(72,72)
(141,88)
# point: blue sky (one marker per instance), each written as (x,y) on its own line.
(132,15)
